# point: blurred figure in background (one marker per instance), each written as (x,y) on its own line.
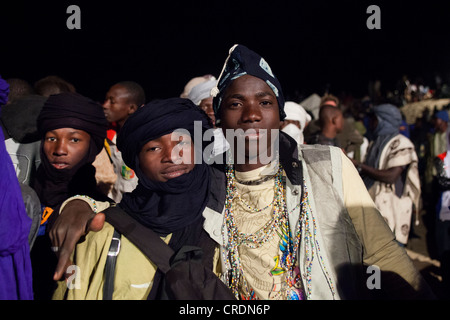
(15,263)
(296,121)
(390,171)
(121,101)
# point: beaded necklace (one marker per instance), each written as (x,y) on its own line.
(278,224)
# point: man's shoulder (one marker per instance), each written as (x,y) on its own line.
(400,142)
(312,153)
(316,148)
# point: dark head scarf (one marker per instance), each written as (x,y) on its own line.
(69,110)
(389,121)
(242,61)
(165,207)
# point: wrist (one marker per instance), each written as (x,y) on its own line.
(79,199)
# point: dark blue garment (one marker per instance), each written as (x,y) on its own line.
(15,263)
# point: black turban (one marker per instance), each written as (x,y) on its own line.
(69,110)
(243,61)
(72,110)
(165,207)
(154,120)
(176,206)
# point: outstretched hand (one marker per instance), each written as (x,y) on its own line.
(75,221)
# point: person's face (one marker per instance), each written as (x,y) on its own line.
(117,107)
(207,106)
(163,159)
(66,147)
(251,105)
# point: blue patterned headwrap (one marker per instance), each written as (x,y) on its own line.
(242,61)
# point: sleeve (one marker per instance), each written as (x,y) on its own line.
(86,275)
(399,277)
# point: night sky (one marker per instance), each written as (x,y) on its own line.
(310,46)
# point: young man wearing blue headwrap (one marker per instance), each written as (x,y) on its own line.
(169,199)
(299,226)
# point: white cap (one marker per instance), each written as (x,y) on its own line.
(294,111)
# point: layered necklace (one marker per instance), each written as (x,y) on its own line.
(277,224)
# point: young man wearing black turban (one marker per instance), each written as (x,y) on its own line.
(169,199)
(72,129)
(302,226)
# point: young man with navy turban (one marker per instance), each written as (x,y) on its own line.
(308,231)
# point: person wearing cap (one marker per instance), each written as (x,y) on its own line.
(292,221)
(201,96)
(193,82)
(296,121)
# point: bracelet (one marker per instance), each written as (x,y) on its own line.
(92,203)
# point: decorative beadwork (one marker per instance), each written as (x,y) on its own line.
(279,221)
(92,202)
(289,246)
(311,244)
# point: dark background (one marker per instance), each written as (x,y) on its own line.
(310,45)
